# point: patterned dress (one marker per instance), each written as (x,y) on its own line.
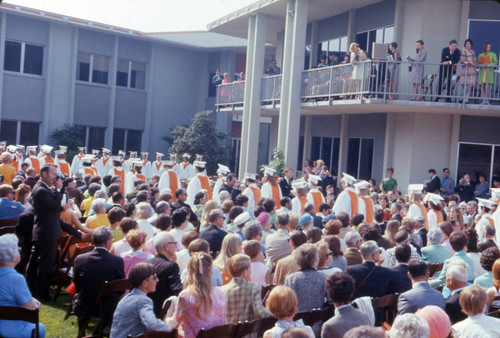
(468,60)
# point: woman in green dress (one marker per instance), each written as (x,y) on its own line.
(487,74)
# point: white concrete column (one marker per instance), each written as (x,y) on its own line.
(146,134)
(108,136)
(47,88)
(307,136)
(280,37)
(71,114)
(293,65)
(351,27)
(313,57)
(3,28)
(454,139)
(344,141)
(390,125)
(464,21)
(257,26)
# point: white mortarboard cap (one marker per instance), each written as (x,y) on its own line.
(361,185)
(159,154)
(173,155)
(59,151)
(200,164)
(20,147)
(31,148)
(223,169)
(314,179)
(46,149)
(3,143)
(63,148)
(482,202)
(87,159)
(168,162)
(144,153)
(95,151)
(137,163)
(106,150)
(82,149)
(200,157)
(250,176)
(415,189)
(242,218)
(299,184)
(12,148)
(495,194)
(121,152)
(269,171)
(434,198)
(132,152)
(186,155)
(348,179)
(115,158)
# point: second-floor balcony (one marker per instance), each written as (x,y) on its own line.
(381,86)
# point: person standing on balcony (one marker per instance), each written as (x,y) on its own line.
(393,57)
(417,72)
(322,61)
(434,183)
(486,75)
(450,56)
(217,78)
(334,59)
(357,55)
(469,61)
(225,91)
(273,68)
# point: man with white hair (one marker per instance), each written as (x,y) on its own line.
(224,195)
(410,325)
(167,270)
(145,211)
(456,281)
(353,243)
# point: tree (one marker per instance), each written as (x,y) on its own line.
(201,137)
(277,164)
(69,136)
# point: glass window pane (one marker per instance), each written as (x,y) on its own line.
(234,155)
(371,40)
(388,34)
(33,59)
(96,138)
(100,69)
(138,76)
(380,35)
(134,140)
(334,45)
(326,150)
(474,159)
(8,132)
(83,67)
(118,140)
(334,168)
(496,165)
(122,73)
(343,44)
(29,133)
(300,160)
(315,149)
(366,159)
(353,156)
(362,40)
(12,60)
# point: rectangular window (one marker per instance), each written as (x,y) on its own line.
(100,69)
(122,73)
(474,159)
(95,138)
(118,140)
(300,160)
(17,132)
(29,133)
(23,57)
(388,34)
(326,149)
(360,157)
(83,67)
(134,138)
(138,75)
(8,132)
(92,68)
(315,149)
(234,155)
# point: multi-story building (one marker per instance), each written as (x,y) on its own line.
(350,121)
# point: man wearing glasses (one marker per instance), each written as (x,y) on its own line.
(9,209)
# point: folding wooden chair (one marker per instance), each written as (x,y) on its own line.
(165,308)
(433,268)
(390,305)
(226,331)
(313,316)
(24,314)
(8,222)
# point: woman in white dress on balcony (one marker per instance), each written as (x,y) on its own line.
(417,73)
(357,55)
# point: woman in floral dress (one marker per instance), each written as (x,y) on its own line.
(469,61)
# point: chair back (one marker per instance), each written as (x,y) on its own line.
(266,290)
(390,303)
(497,305)
(8,222)
(226,331)
(22,313)
(9,229)
(433,268)
(313,316)
(164,309)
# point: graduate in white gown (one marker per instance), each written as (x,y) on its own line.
(76,164)
(271,189)
(198,182)
(347,201)
(252,191)
(146,165)
(134,175)
(104,165)
(485,207)
(157,165)
(222,172)
(300,199)
(32,160)
(495,197)
(365,203)
(186,170)
(169,179)
(315,196)
(434,215)
(417,208)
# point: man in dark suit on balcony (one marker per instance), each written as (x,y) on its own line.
(450,56)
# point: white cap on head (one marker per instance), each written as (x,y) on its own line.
(348,179)
(299,184)
(115,158)
(31,148)
(415,189)
(199,164)
(95,151)
(106,150)
(64,148)
(223,169)
(242,218)
(60,151)
(362,185)
(199,157)
(122,153)
(137,163)
(46,149)
(483,202)
(250,176)
(174,156)
(20,147)
(269,171)
(12,148)
(82,149)
(434,198)
(87,159)
(159,154)
(314,179)
(144,153)
(132,152)
(3,143)
(495,194)
(186,155)
(168,162)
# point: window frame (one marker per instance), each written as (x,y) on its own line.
(359,155)
(492,159)
(129,74)
(18,128)
(23,57)
(91,70)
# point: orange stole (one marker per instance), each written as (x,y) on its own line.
(172,177)
(105,160)
(49,160)
(424,214)
(354,202)
(15,164)
(256,193)
(369,209)
(90,171)
(205,185)
(317,199)
(141,177)
(276,194)
(439,216)
(120,173)
(64,167)
(158,165)
(303,202)
(35,163)
(185,164)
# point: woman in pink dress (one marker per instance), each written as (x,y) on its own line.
(137,240)
(225,91)
(469,61)
(200,305)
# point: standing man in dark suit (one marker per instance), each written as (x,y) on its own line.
(421,293)
(286,183)
(213,233)
(181,196)
(400,270)
(434,184)
(46,200)
(231,186)
(450,56)
(92,269)
(456,280)
(167,270)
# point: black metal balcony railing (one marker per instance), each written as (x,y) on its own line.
(385,80)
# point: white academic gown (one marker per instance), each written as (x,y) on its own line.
(481,224)
(414,211)
(343,202)
(362,208)
(267,191)
(146,169)
(103,168)
(194,187)
(496,219)
(251,199)
(76,164)
(432,219)
(156,168)
(310,197)
(186,173)
(217,186)
(297,206)
(130,178)
(28,160)
(165,181)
